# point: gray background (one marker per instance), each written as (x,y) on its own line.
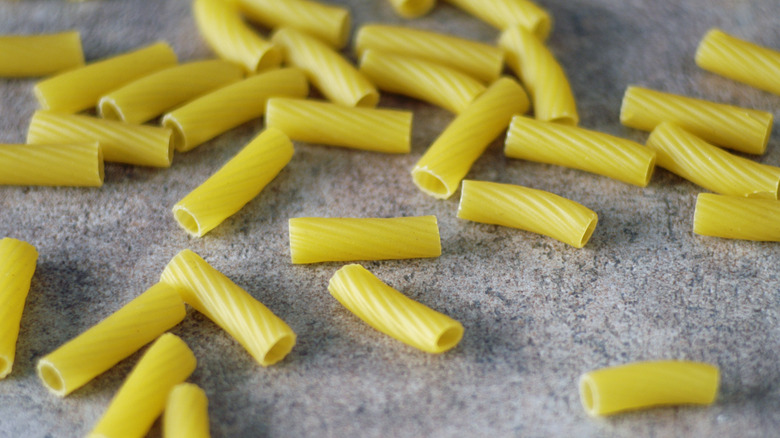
(537,312)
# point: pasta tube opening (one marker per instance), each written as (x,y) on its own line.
(109,109)
(588,232)
(5,367)
(449,339)
(431,183)
(412,8)
(187,220)
(178,139)
(589,396)
(369,99)
(279,350)
(51,377)
(271,58)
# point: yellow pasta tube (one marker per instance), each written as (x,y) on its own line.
(482,61)
(142,397)
(17,265)
(739,60)
(708,166)
(81,88)
(734,217)
(527,209)
(579,148)
(643,385)
(120,142)
(435,83)
(741,129)
(221,25)
(503,14)
(212,114)
(93,352)
(542,75)
(186,413)
(337,79)
(329,23)
(40,55)
(315,239)
(393,313)
(236,183)
(448,160)
(412,8)
(371,129)
(79,164)
(264,335)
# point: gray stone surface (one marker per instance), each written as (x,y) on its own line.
(537,312)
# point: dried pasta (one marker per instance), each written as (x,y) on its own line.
(329,23)
(448,160)
(77,164)
(393,313)
(734,217)
(315,239)
(372,129)
(412,8)
(503,14)
(186,413)
(17,266)
(264,335)
(643,385)
(40,55)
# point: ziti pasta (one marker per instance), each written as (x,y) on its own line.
(17,266)
(412,8)
(734,217)
(329,23)
(40,55)
(186,413)
(503,14)
(72,164)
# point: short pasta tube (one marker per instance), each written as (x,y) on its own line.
(337,79)
(120,142)
(392,313)
(503,14)
(642,385)
(95,351)
(734,217)
(214,113)
(142,396)
(371,129)
(741,129)
(235,184)
(329,23)
(186,413)
(316,239)
(527,209)
(578,148)
(412,8)
(78,89)
(40,55)
(708,166)
(17,266)
(76,164)
(264,335)
(440,170)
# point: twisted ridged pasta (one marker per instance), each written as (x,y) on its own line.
(326,22)
(504,14)
(141,399)
(121,142)
(212,114)
(579,148)
(412,8)
(372,129)
(482,61)
(236,183)
(527,209)
(741,129)
(450,157)
(435,83)
(40,55)
(734,217)
(337,79)
(393,313)
(542,75)
(739,60)
(17,266)
(264,335)
(79,164)
(314,239)
(186,413)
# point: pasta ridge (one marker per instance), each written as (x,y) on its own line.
(734,217)
(43,164)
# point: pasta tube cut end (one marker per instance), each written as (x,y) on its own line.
(5,366)
(413,8)
(369,99)
(109,109)
(589,396)
(178,139)
(449,339)
(431,183)
(188,221)
(51,378)
(279,350)
(268,60)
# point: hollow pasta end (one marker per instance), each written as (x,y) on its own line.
(187,220)
(368,100)
(267,60)
(542,28)
(588,232)
(178,138)
(280,349)
(431,184)
(344,31)
(109,109)
(449,338)
(5,367)
(589,395)
(51,378)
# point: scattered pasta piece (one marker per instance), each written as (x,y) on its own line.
(17,266)
(79,164)
(734,217)
(40,55)
(329,23)
(503,14)
(186,413)
(412,8)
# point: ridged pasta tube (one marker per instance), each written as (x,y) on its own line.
(527,209)
(643,385)
(186,413)
(708,166)
(220,24)
(741,129)
(152,95)
(412,8)
(542,75)
(17,266)
(578,148)
(329,23)
(142,396)
(503,14)
(40,55)
(81,88)
(448,160)
(483,61)
(371,129)
(315,239)
(236,183)
(393,313)
(79,164)
(212,114)
(93,352)
(337,79)
(121,142)
(264,335)
(739,60)
(432,82)
(734,217)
